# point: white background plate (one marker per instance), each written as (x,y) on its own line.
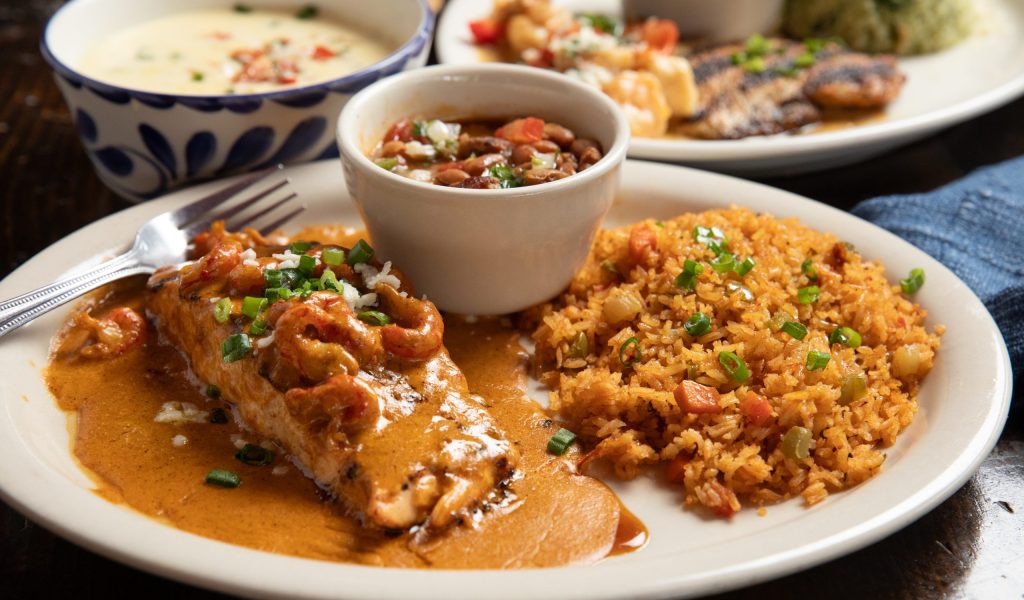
(978,75)
(964,403)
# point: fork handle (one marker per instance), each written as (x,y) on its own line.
(23,309)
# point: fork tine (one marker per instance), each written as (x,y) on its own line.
(244,220)
(269,228)
(188,213)
(227,213)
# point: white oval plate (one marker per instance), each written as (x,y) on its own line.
(978,75)
(964,403)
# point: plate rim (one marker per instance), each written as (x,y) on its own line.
(698,152)
(510,584)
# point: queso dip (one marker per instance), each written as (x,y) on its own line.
(238,50)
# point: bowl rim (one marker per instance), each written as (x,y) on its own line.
(411,47)
(436,74)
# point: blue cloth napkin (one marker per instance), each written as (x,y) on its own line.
(974,226)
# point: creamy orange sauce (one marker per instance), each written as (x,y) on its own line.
(553,516)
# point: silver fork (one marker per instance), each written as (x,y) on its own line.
(163,240)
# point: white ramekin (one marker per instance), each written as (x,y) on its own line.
(483,252)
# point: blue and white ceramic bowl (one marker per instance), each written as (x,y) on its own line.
(144,144)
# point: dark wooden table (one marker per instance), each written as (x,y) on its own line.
(971,546)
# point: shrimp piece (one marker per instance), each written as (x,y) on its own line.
(246,280)
(677,82)
(420,330)
(115,334)
(641,97)
(523,34)
(319,338)
(342,404)
(213,268)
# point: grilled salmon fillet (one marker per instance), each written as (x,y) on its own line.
(340,366)
(777,92)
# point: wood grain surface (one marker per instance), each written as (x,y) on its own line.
(971,546)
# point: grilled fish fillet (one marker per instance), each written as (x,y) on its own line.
(738,102)
(378,415)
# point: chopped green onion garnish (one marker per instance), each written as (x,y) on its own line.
(807,268)
(705,235)
(698,324)
(723,263)
(299,247)
(307,264)
(817,361)
(329,281)
(223,478)
(742,268)
(796,443)
(258,327)
(808,295)
(688,277)
(629,352)
(274,278)
(360,253)
(222,310)
(218,416)
(754,65)
(235,347)
(291,277)
(252,306)
(212,391)
(254,455)
(738,58)
(278,293)
(845,336)
(387,163)
(795,330)
(913,282)
(242,8)
(561,441)
(814,44)
(419,129)
(804,60)
(757,45)
(332,256)
(734,366)
(308,11)
(197,76)
(374,317)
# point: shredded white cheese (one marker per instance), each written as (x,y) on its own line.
(543,160)
(179,440)
(180,413)
(279,470)
(422,175)
(288,260)
(373,278)
(249,258)
(238,441)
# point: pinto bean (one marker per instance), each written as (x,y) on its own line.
(546,146)
(476,166)
(450,177)
(589,157)
(581,144)
(484,144)
(522,154)
(562,136)
(392,148)
(479,183)
(566,162)
(535,176)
